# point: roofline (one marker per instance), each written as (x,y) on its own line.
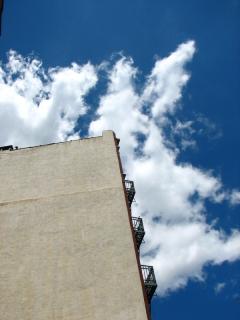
(60,142)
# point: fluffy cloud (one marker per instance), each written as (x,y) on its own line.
(168,77)
(170,195)
(179,251)
(235,197)
(119,108)
(38,107)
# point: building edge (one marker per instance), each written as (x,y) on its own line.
(147,307)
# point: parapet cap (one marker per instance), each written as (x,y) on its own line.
(106,135)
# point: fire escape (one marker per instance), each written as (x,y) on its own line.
(150,282)
(130,189)
(6,148)
(149,279)
(138,230)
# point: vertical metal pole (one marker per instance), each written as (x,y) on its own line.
(1,12)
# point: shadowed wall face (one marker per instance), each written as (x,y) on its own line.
(66,248)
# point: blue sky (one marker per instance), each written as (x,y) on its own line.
(60,32)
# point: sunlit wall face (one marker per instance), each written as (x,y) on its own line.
(67,249)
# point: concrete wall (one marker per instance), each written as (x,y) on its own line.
(66,248)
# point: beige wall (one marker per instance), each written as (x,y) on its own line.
(66,248)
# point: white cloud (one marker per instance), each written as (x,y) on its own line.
(119,108)
(234,197)
(168,77)
(170,195)
(219,287)
(179,251)
(39,107)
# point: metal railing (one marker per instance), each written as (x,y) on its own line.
(4,148)
(138,230)
(130,189)
(149,281)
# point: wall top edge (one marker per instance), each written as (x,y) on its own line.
(106,134)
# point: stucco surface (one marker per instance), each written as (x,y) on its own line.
(66,248)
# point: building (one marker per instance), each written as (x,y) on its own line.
(68,244)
